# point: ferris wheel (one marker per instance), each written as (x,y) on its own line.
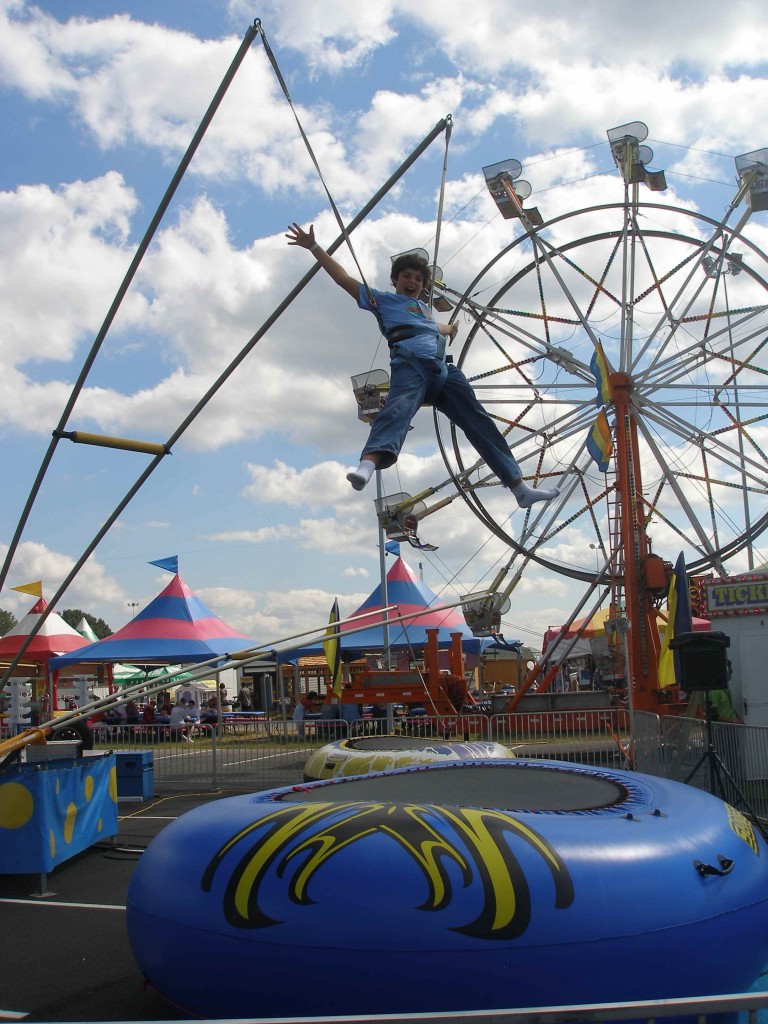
(622,347)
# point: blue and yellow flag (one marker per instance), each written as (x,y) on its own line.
(598,364)
(679,620)
(332,649)
(600,442)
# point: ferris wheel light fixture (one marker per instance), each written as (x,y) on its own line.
(733,264)
(509,191)
(752,172)
(632,158)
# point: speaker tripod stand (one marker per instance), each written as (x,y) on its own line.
(718,774)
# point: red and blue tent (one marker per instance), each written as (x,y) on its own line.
(409,594)
(177,628)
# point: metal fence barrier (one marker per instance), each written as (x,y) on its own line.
(735,767)
(268,753)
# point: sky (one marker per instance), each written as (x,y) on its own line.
(98,104)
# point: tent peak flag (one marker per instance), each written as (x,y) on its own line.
(170,564)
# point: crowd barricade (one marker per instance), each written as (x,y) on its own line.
(271,752)
(735,767)
(645,753)
(599,736)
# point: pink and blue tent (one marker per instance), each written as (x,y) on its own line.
(409,594)
(176,628)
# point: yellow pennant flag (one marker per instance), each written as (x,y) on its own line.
(667,675)
(35,589)
(332,649)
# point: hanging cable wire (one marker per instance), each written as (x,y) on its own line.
(154,224)
(215,387)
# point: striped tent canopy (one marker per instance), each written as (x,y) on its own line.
(595,626)
(176,627)
(84,628)
(55,636)
(409,594)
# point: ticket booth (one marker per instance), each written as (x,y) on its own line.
(738,605)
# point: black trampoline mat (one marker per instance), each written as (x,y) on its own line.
(502,786)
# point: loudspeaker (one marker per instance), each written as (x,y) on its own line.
(703,661)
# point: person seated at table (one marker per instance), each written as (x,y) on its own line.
(210,713)
(178,724)
(193,717)
(149,714)
(306,706)
(132,714)
(115,715)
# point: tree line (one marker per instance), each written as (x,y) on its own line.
(71,616)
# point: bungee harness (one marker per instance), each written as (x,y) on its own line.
(434,382)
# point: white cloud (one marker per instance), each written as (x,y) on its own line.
(92,589)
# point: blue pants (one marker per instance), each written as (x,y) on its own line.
(411,380)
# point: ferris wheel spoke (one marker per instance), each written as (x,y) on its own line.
(697,353)
(540,347)
(728,456)
(672,479)
(548,251)
(682,302)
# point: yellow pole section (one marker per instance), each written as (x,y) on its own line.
(105,441)
(22,740)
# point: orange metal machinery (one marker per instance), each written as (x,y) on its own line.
(439,692)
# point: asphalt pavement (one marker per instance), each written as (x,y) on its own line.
(65,953)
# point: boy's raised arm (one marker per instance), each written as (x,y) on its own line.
(306,240)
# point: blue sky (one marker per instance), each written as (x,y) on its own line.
(98,101)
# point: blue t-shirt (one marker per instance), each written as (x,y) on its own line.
(403,311)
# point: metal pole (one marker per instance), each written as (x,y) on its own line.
(383,570)
(214,759)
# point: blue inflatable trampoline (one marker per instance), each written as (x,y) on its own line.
(452,887)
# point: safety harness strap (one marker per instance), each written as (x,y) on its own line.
(433,384)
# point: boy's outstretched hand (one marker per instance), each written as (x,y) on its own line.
(297,236)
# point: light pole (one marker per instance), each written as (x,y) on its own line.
(596,549)
(133,605)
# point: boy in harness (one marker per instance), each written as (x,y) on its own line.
(420,374)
